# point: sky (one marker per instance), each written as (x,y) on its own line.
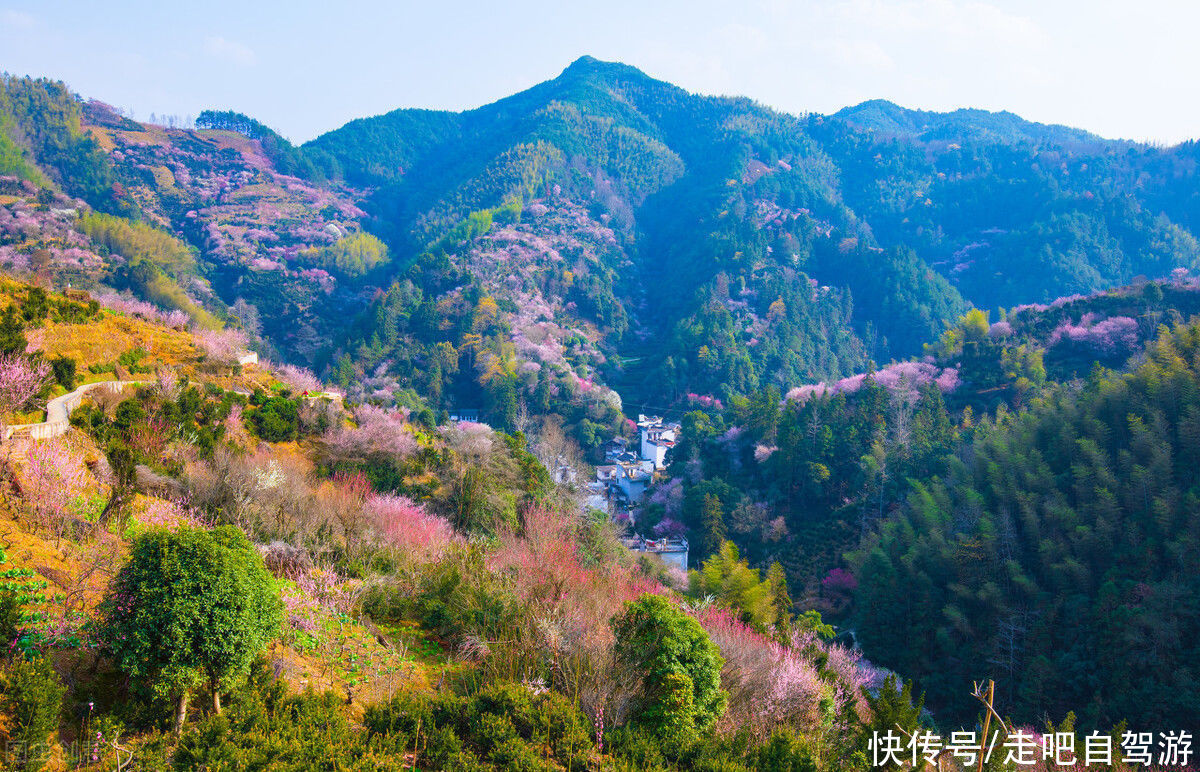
(1119,69)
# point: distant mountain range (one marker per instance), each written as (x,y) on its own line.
(601,229)
(889,119)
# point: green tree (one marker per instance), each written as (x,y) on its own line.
(892,707)
(352,255)
(190,607)
(712,524)
(124,476)
(12,332)
(811,621)
(974,326)
(781,601)
(31,697)
(680,692)
(65,371)
(36,305)
(736,586)
(276,420)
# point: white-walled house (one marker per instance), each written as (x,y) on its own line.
(673,552)
(657,438)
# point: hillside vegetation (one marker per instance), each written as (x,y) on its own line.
(214,576)
(934,374)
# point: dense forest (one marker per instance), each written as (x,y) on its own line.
(983,503)
(1059,549)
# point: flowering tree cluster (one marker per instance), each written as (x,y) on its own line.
(298,379)
(379,433)
(409,527)
(569,600)
(53,478)
(130,306)
(21,379)
(813,686)
(168,514)
(910,375)
(222,346)
(1111,335)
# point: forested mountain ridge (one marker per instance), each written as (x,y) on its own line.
(1001,209)
(605,229)
(890,119)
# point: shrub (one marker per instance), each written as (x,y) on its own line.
(32,699)
(455,598)
(891,707)
(681,686)
(265,728)
(728,578)
(12,333)
(506,726)
(276,420)
(65,370)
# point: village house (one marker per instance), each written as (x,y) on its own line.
(635,478)
(657,438)
(615,448)
(621,483)
(673,552)
(624,483)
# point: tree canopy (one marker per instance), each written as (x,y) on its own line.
(188,607)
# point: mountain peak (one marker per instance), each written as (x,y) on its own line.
(589,66)
(583,63)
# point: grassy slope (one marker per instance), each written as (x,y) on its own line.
(340,655)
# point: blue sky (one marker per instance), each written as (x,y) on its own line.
(1120,69)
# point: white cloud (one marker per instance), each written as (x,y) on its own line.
(229,51)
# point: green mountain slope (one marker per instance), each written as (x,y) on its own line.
(671,243)
(1056,555)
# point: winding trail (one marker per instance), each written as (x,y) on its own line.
(59,409)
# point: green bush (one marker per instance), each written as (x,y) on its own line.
(505,726)
(681,686)
(36,306)
(31,698)
(190,607)
(455,597)
(276,420)
(267,730)
(65,371)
